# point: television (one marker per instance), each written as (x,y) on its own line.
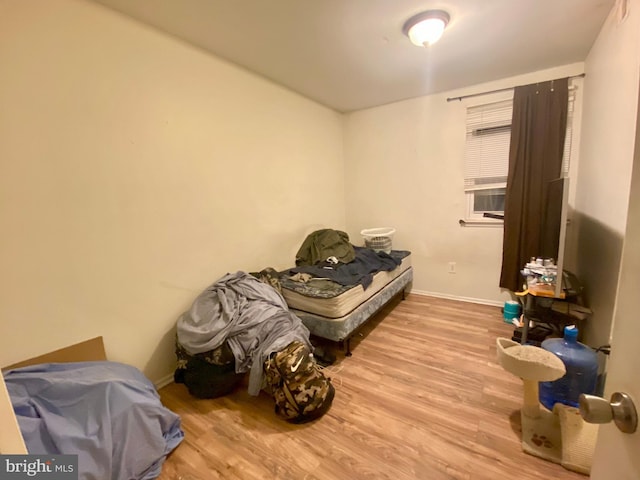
(554,227)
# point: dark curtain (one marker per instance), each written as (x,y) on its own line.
(538,129)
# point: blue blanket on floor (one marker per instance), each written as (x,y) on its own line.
(107,413)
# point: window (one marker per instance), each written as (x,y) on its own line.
(487,158)
(488,135)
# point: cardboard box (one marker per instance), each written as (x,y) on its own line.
(87,351)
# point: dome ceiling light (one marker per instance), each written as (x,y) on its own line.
(426,28)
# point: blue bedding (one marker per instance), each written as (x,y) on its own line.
(357,272)
(107,413)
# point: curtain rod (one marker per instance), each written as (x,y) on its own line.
(451,99)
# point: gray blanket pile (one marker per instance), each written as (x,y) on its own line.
(250,315)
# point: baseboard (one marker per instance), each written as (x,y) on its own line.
(164,381)
(493,303)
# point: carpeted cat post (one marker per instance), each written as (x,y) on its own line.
(543,431)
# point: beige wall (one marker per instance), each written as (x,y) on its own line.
(136,170)
(607,148)
(404,168)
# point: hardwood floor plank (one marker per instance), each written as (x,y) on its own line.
(422,397)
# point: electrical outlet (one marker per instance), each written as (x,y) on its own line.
(452,267)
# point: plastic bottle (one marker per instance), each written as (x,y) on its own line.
(581,363)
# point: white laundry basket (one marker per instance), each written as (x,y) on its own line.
(378,239)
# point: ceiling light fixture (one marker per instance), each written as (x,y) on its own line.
(426,28)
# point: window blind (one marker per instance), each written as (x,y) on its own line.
(488,134)
(568,138)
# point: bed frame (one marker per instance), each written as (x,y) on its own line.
(342,329)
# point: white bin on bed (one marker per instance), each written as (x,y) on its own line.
(378,239)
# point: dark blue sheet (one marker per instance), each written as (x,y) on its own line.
(107,413)
(358,272)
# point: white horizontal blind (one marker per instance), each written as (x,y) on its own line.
(488,135)
(566,155)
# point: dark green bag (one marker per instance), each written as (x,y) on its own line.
(300,389)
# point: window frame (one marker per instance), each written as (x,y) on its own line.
(472,216)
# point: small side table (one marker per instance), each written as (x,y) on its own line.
(530,296)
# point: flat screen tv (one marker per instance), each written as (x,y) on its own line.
(554,226)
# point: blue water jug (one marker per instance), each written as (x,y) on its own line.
(581,363)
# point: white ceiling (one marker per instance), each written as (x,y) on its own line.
(352,54)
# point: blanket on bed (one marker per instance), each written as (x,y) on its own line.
(322,287)
(107,413)
(357,272)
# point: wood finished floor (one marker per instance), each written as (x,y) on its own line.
(421,398)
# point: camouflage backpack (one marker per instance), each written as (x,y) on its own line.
(298,386)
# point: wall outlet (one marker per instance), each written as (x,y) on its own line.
(452,267)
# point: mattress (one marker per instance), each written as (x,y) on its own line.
(339,329)
(328,299)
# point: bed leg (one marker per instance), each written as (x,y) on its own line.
(347,347)
(404,294)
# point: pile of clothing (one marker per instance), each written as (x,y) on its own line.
(241,324)
(328,253)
